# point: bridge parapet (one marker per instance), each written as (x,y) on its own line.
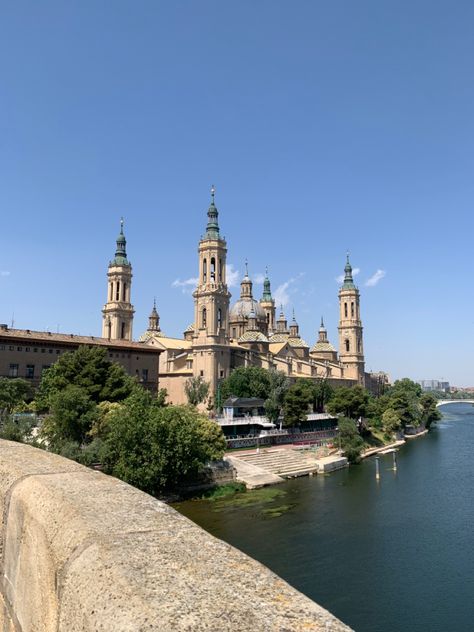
(82,551)
(444,402)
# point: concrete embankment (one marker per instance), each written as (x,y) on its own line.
(81,551)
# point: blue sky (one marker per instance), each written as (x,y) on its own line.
(325,126)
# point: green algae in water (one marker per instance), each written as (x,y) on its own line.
(276,512)
(251,498)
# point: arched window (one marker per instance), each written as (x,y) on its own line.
(122,333)
(220,269)
(345,310)
(268,318)
(213,269)
(111,291)
(347,344)
(117,291)
(204,271)
(109,328)
(204,317)
(358,346)
(352,310)
(219,318)
(234,332)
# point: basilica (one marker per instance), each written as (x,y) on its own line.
(223,336)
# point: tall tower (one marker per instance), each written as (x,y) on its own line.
(117,314)
(351,348)
(211,305)
(268,304)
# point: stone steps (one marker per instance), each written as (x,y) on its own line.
(284,463)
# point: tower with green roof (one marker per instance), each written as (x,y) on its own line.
(210,340)
(268,304)
(351,347)
(117,313)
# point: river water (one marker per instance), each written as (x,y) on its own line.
(384,557)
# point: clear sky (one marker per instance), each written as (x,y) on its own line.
(325,126)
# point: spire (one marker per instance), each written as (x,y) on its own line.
(121,250)
(246,284)
(154,319)
(267,293)
(252,321)
(212,228)
(281,322)
(348,280)
(323,334)
(294,328)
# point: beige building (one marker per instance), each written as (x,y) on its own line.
(224,336)
(26,354)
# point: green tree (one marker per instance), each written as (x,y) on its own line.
(279,385)
(14,393)
(429,412)
(295,406)
(90,369)
(350,440)
(322,394)
(352,402)
(154,448)
(251,381)
(72,416)
(196,389)
(391,421)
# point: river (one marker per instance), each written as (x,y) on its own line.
(389,556)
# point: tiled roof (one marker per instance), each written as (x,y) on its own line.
(279,337)
(323,346)
(298,343)
(253,336)
(189,328)
(71,339)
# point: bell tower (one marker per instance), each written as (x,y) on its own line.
(268,305)
(351,348)
(211,304)
(117,313)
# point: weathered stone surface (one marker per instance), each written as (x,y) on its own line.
(85,552)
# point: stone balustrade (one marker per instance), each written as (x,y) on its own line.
(82,551)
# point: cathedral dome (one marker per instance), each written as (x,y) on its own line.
(241,309)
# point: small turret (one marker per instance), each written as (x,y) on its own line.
(294,328)
(212,228)
(348,280)
(154,319)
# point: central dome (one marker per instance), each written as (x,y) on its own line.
(241,309)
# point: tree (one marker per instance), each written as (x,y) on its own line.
(155,447)
(197,390)
(429,412)
(72,416)
(351,441)
(322,394)
(90,369)
(251,381)
(391,421)
(352,402)
(279,385)
(295,406)
(13,393)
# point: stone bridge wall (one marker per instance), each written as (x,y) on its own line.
(81,551)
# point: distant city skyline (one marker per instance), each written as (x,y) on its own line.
(325,128)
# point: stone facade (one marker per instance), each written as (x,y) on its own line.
(248,333)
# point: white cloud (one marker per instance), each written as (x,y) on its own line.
(375,278)
(282,293)
(340,278)
(232,275)
(259,277)
(5,273)
(187,286)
